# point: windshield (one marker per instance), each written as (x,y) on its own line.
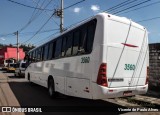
(12,65)
(9,61)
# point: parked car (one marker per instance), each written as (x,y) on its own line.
(20,68)
(11,67)
(4,67)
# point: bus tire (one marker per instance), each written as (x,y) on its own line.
(51,88)
(29,78)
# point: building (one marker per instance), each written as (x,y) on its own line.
(154,64)
(10,52)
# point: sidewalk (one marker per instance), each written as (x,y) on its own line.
(3,78)
(147,99)
(7,98)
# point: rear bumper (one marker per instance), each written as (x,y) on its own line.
(101,92)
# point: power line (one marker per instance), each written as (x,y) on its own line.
(121,5)
(3,35)
(73,4)
(39,29)
(35,11)
(47,13)
(132,6)
(28,6)
(111,8)
(35,16)
(64,8)
(46,39)
(129,8)
(25,33)
(141,7)
(149,19)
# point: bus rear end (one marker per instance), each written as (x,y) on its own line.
(124,67)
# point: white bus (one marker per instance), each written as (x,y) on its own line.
(103,57)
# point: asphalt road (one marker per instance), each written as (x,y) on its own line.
(32,95)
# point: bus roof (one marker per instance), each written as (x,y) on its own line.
(104,14)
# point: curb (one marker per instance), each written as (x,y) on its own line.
(147,101)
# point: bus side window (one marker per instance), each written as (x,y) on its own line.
(76,42)
(33,57)
(39,54)
(58,48)
(64,47)
(30,57)
(83,39)
(53,51)
(45,53)
(42,53)
(91,33)
(50,51)
(69,44)
(36,55)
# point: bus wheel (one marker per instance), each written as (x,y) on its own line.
(51,89)
(29,77)
(29,80)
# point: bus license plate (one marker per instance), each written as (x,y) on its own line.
(127,93)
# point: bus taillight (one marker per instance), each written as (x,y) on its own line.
(102,75)
(147,75)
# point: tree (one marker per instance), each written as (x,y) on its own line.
(26,48)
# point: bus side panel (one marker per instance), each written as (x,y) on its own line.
(78,87)
(59,84)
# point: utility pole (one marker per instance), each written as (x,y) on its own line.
(16,33)
(61,17)
(59,13)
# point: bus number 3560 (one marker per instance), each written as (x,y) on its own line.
(129,67)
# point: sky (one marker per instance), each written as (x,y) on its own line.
(42,26)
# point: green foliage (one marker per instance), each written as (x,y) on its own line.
(26,48)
